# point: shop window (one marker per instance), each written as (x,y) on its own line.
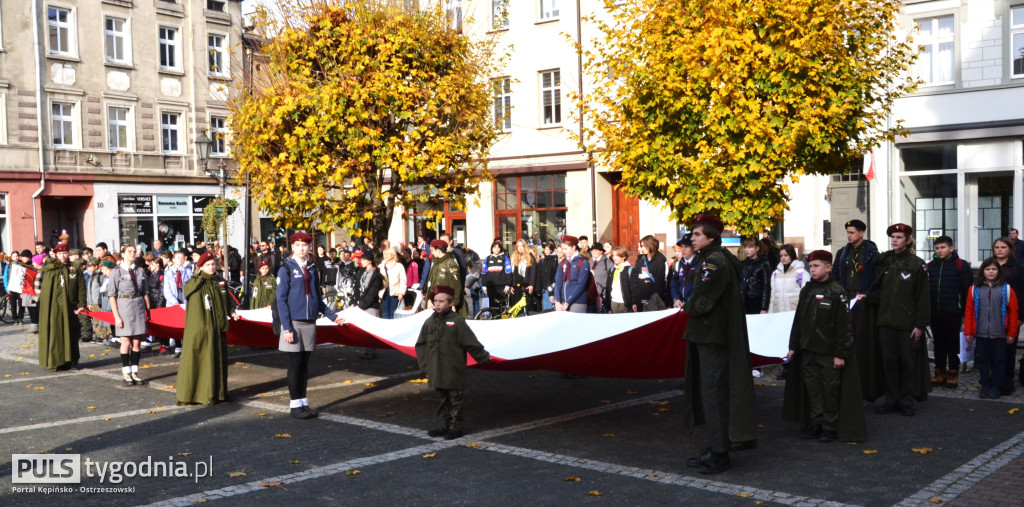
(929,158)
(930,207)
(530,207)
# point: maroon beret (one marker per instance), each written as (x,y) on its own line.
(710,221)
(301,236)
(263,262)
(206,257)
(439,244)
(61,247)
(572,240)
(820,255)
(442,289)
(904,228)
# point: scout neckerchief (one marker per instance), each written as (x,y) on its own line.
(855,265)
(135,285)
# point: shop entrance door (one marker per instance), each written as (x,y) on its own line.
(990,212)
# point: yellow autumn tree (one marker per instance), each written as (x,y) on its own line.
(363,107)
(711,106)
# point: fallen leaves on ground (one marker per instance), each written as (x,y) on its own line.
(605,402)
(347,382)
(25,373)
(632,392)
(201,500)
(608,435)
(353,472)
(665,409)
(475,445)
(758,384)
(572,478)
(934,500)
(689,446)
(92,356)
(261,415)
(271,484)
(595,493)
(659,403)
(236,474)
(431,455)
(68,449)
(282,435)
(650,475)
(369,384)
(40,388)
(8,375)
(184,454)
(91,407)
(383,416)
(922,450)
(743,494)
(760,426)
(418,381)
(168,388)
(239,363)
(107,419)
(870,451)
(294,461)
(1014,410)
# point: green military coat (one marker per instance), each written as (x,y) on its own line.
(716,317)
(441,350)
(822,325)
(203,372)
(63,292)
(264,291)
(445,271)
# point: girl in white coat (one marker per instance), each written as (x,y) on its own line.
(787,280)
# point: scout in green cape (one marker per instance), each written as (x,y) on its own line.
(444,271)
(61,299)
(719,390)
(203,372)
(822,385)
(441,352)
(264,288)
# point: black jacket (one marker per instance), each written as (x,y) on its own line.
(156,289)
(844,262)
(367,297)
(521,282)
(648,278)
(546,269)
(624,285)
(949,279)
(496,270)
(756,281)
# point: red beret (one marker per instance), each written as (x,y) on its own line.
(442,289)
(263,262)
(904,228)
(61,247)
(206,257)
(572,240)
(710,221)
(440,244)
(820,255)
(301,236)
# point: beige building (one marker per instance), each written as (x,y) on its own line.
(101,102)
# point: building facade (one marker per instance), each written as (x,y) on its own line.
(101,102)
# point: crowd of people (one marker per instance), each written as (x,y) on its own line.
(859,330)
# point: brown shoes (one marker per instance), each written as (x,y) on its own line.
(952,379)
(939,377)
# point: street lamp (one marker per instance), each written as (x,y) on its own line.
(203,145)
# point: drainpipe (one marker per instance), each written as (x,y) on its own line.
(40,113)
(590,155)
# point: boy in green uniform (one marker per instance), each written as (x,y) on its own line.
(441,351)
(444,271)
(264,288)
(61,299)
(821,349)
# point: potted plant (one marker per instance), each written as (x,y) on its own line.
(215,217)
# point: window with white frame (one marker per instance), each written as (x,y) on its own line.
(499,14)
(118,127)
(503,103)
(1017,41)
(218,52)
(453,9)
(548,9)
(935,64)
(551,97)
(219,136)
(61,30)
(115,39)
(62,116)
(170,132)
(168,39)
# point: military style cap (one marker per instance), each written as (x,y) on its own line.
(857,224)
(904,228)
(820,255)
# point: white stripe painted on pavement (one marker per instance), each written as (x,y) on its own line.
(955,483)
(88,419)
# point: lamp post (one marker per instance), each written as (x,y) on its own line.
(203,145)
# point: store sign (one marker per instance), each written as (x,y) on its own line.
(199,203)
(135,204)
(172,204)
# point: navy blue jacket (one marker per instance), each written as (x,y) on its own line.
(680,278)
(844,259)
(571,281)
(293,302)
(950,280)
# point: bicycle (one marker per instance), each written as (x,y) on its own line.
(5,309)
(504,311)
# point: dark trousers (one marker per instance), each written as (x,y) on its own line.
(946,337)
(713,362)
(449,410)
(898,365)
(298,374)
(85,324)
(33,314)
(821,378)
(857,316)
(990,357)
(1011,363)
(752,306)
(17,309)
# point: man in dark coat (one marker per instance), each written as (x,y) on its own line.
(719,389)
(441,350)
(822,389)
(902,310)
(61,299)
(949,279)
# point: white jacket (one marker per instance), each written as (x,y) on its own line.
(15,277)
(394,278)
(786,287)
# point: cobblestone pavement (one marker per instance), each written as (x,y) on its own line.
(532,438)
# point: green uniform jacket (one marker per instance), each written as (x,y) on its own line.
(62,292)
(899,306)
(264,291)
(822,321)
(203,372)
(822,325)
(716,317)
(445,271)
(441,350)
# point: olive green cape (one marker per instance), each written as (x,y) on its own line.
(63,292)
(852,426)
(203,372)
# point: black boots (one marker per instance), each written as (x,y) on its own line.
(710,462)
